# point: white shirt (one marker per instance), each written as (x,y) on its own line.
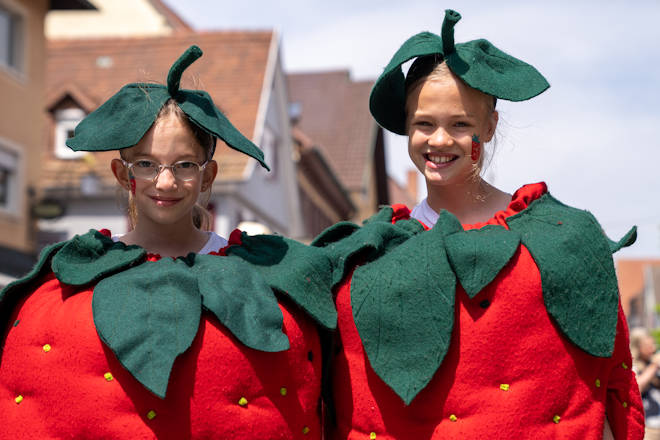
(214,243)
(425,214)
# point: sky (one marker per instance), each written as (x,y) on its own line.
(592,137)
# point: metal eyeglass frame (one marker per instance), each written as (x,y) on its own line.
(161,167)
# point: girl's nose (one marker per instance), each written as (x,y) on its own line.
(440,138)
(165,179)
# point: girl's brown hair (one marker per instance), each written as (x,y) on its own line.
(202,218)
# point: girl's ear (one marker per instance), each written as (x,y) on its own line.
(121,173)
(210,171)
(491,125)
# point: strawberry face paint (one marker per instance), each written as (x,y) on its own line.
(476,148)
(132,181)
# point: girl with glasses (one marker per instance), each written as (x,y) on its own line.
(168,331)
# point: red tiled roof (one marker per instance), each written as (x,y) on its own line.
(630,273)
(232,70)
(335,114)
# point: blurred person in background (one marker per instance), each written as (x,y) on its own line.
(646,364)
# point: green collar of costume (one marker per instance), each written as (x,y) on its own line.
(403,300)
(478,63)
(125,118)
(133,297)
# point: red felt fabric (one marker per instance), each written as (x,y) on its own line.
(65,394)
(503,338)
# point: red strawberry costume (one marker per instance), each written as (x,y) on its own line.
(93,335)
(498,351)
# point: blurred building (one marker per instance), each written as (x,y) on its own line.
(116,18)
(639,286)
(406,194)
(333,111)
(22,88)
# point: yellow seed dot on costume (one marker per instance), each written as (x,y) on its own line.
(504,387)
(556,419)
(305,430)
(16,322)
(108,376)
(624,365)
(18,399)
(625,404)
(242,401)
(47,348)
(151,414)
(283,391)
(453,418)
(372,436)
(597,383)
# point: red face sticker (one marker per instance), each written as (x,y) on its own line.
(476,148)
(132,180)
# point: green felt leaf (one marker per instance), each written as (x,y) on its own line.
(478,255)
(479,63)
(626,240)
(242,301)
(92,256)
(348,245)
(577,272)
(303,273)
(334,233)
(403,306)
(123,120)
(148,315)
(14,291)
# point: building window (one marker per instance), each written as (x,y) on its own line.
(65,124)
(11,38)
(8,181)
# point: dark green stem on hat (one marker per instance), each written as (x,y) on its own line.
(185,60)
(451,18)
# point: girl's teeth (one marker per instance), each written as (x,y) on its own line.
(440,159)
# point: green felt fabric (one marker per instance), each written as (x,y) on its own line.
(148,312)
(181,64)
(124,118)
(403,297)
(148,327)
(403,308)
(301,272)
(580,289)
(626,240)
(347,245)
(92,256)
(478,255)
(241,300)
(478,63)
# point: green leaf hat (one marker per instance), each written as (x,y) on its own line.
(478,63)
(125,118)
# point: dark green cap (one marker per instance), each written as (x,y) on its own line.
(125,118)
(478,63)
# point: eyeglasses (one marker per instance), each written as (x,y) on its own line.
(150,170)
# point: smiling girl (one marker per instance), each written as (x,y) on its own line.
(168,331)
(480,314)
(163,198)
